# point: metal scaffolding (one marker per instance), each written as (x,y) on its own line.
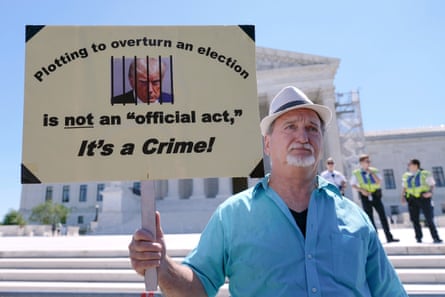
(350,128)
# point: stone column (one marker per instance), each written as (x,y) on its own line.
(224,187)
(198,189)
(332,145)
(172,192)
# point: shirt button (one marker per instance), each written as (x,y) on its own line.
(309,256)
(314,290)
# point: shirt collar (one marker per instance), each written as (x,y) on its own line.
(414,173)
(263,184)
(320,184)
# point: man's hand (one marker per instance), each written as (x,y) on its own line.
(147,251)
(364,192)
(427,194)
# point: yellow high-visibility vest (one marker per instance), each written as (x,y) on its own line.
(415,184)
(365,180)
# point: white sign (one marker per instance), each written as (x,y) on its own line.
(138,103)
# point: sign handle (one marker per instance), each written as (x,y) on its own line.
(148,222)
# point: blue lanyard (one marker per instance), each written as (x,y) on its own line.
(371,179)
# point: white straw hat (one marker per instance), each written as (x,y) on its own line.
(291,98)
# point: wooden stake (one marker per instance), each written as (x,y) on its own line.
(148,221)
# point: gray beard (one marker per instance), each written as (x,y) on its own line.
(299,161)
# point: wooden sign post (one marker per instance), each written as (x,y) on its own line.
(148,222)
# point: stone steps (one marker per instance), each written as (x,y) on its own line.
(417,261)
(399,261)
(424,274)
(99,266)
(124,289)
(60,263)
(407,275)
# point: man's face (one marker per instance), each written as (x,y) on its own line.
(365,163)
(296,139)
(147,89)
(412,167)
(330,165)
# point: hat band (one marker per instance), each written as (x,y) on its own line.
(290,104)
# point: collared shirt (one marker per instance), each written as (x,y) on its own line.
(334,177)
(417,183)
(253,240)
(429,178)
(354,181)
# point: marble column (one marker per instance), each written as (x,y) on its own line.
(224,187)
(198,189)
(332,145)
(172,191)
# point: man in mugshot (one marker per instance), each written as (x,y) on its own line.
(145,81)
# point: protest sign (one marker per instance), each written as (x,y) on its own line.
(138,103)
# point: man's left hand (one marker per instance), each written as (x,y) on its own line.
(427,195)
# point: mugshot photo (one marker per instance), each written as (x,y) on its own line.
(141,80)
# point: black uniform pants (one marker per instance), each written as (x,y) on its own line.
(414,207)
(376,203)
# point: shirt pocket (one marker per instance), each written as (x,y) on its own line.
(348,259)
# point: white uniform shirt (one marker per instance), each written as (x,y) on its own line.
(334,177)
(429,179)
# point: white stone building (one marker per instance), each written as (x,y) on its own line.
(390,152)
(186,204)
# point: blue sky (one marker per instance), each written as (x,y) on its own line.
(391,51)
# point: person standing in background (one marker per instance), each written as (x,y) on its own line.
(417,189)
(333,176)
(366,180)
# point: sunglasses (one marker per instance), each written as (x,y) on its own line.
(330,163)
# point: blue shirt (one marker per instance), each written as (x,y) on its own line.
(253,240)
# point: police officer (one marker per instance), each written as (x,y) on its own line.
(417,190)
(333,176)
(366,180)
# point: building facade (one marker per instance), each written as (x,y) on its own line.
(186,204)
(390,151)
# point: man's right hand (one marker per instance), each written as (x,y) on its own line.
(147,251)
(364,192)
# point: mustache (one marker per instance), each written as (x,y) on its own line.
(307,146)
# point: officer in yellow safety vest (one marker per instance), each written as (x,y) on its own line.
(366,180)
(417,190)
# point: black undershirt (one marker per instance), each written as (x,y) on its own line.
(300,219)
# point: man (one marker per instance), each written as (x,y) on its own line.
(145,83)
(366,180)
(333,176)
(292,234)
(417,189)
